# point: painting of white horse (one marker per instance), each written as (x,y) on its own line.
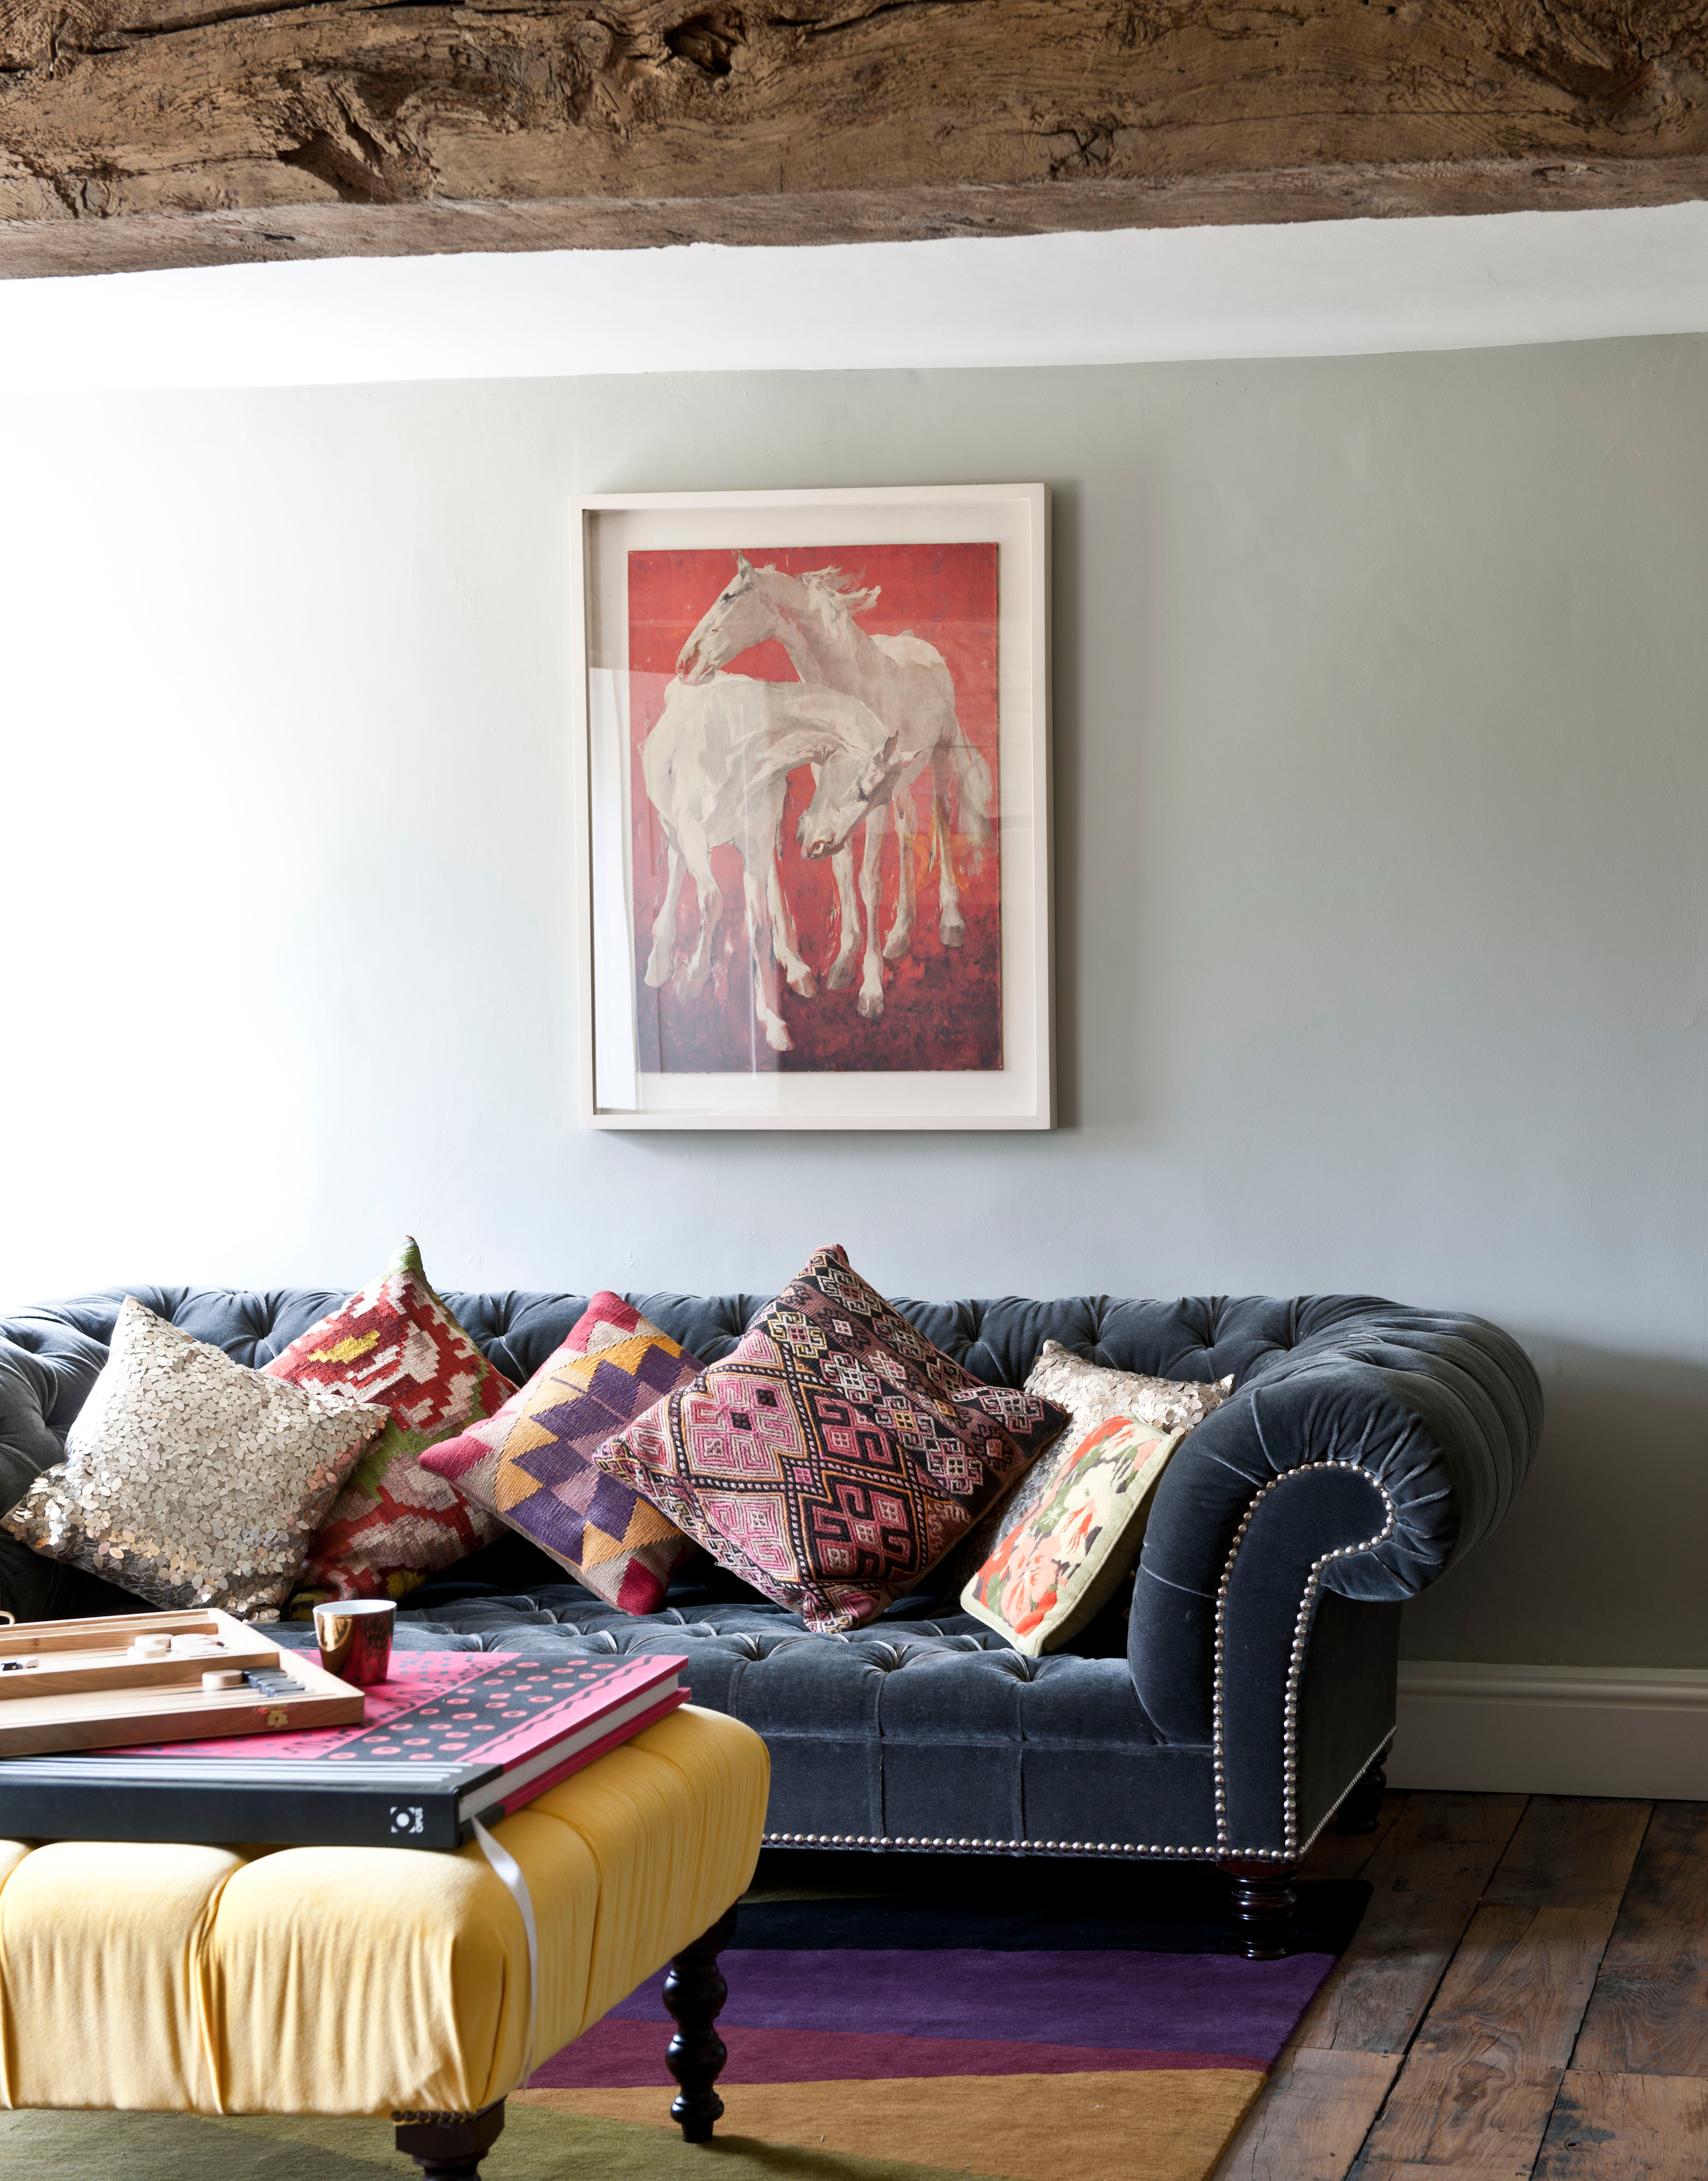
(716,768)
(818,728)
(904,680)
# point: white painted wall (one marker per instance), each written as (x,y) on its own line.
(1381,777)
(1350,287)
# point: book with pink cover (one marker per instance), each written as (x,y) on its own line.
(452,1737)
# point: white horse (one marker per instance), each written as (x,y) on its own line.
(904,681)
(716,766)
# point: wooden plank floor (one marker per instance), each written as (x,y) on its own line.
(1526,2000)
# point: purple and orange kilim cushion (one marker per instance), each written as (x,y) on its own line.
(393,1523)
(531,1463)
(835,1456)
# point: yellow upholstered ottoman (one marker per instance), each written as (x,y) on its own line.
(397,1982)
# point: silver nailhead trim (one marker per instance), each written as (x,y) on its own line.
(1295,1663)
(1149,1849)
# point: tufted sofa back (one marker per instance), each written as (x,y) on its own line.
(1199,1337)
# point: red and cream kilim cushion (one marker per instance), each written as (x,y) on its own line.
(835,1456)
(531,1462)
(396,1344)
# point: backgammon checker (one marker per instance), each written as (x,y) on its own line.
(133,1677)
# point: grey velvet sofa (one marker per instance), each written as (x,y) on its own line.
(1224,1711)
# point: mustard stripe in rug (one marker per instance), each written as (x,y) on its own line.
(1162,2125)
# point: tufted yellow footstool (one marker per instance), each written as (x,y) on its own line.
(368,1980)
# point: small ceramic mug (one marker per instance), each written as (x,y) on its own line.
(355,1638)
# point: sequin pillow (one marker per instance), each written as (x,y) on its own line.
(1071,1533)
(190,1479)
(394,1522)
(834,1456)
(530,1463)
(1092,1393)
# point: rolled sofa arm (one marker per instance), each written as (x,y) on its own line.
(1360,1459)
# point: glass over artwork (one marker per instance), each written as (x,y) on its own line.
(815,862)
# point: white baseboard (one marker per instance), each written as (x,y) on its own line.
(1552,1730)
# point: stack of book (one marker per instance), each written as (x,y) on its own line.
(451,1738)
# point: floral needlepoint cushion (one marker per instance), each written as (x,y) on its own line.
(190,1479)
(1071,1533)
(834,1455)
(394,1522)
(531,1465)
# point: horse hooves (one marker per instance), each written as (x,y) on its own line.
(778,1039)
(842,974)
(953,935)
(657,974)
(900,946)
(806,985)
(871,1005)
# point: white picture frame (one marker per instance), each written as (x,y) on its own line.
(656,991)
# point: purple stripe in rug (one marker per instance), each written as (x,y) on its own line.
(1126,2001)
(629,2056)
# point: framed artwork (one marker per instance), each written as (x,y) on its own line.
(812,820)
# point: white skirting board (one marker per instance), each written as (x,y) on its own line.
(1640,1731)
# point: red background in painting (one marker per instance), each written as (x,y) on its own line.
(942,1006)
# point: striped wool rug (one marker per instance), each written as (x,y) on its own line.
(1053,2023)
(889,2019)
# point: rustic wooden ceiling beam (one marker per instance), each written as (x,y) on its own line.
(143,133)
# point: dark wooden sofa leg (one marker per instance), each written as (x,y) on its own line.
(694,1992)
(1264,1899)
(451,2149)
(1362,1811)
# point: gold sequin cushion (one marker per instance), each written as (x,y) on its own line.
(190,1479)
(1092,1393)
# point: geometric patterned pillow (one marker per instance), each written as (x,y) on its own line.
(394,1523)
(835,1456)
(530,1463)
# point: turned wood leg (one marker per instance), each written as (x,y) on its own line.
(451,2149)
(694,1992)
(1362,1811)
(1264,1899)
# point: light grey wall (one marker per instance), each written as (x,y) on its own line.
(1379,783)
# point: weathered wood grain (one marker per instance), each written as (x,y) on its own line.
(1497,2171)
(144,132)
(1311,2118)
(1481,2078)
(1572,1850)
(1346,1855)
(1627,2127)
(1649,2013)
(1429,1874)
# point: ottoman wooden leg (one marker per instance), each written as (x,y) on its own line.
(451,2149)
(694,1991)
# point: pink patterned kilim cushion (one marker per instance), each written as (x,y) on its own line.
(394,1522)
(834,1456)
(530,1464)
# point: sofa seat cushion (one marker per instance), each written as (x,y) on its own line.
(174,1979)
(910,1730)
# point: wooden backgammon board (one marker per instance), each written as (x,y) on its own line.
(145,1677)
